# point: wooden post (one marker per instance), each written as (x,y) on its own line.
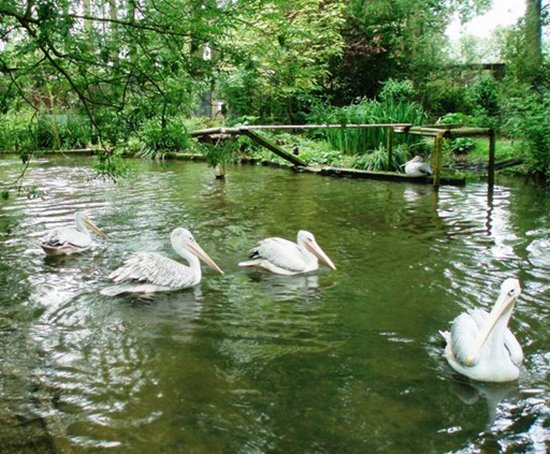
(436,159)
(274,148)
(219,171)
(491,165)
(389,145)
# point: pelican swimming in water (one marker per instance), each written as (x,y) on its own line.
(416,167)
(480,344)
(285,257)
(69,240)
(148,272)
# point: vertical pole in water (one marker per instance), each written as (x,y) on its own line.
(491,165)
(389,145)
(219,171)
(436,159)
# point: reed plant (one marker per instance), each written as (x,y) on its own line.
(355,141)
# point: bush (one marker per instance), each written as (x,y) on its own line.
(530,120)
(18,132)
(172,136)
(463,145)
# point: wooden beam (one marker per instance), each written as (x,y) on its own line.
(389,145)
(327,126)
(466,132)
(274,148)
(436,159)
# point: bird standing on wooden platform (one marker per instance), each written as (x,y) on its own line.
(149,272)
(480,344)
(70,240)
(281,256)
(416,167)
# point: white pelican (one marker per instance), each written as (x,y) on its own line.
(416,167)
(481,346)
(148,272)
(285,257)
(68,240)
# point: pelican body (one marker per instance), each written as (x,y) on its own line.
(281,256)
(480,344)
(149,272)
(70,240)
(416,167)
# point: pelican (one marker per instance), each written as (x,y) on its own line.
(69,240)
(416,167)
(281,256)
(148,272)
(480,344)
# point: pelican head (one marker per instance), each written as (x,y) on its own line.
(307,240)
(181,237)
(509,292)
(85,223)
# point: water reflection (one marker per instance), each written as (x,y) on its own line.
(493,394)
(304,288)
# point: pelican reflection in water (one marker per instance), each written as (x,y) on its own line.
(281,256)
(70,240)
(480,344)
(149,272)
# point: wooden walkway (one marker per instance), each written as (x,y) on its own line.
(438,132)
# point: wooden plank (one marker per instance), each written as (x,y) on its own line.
(217,130)
(383,176)
(436,159)
(274,148)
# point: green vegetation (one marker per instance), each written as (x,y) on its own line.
(135,77)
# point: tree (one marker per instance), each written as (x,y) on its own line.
(284,51)
(398,38)
(533,41)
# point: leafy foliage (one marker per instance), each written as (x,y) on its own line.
(281,60)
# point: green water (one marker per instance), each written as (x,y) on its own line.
(345,361)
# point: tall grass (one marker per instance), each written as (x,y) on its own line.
(27,131)
(353,141)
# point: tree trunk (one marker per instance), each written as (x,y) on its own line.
(533,40)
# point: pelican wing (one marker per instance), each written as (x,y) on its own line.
(418,169)
(513,347)
(156,269)
(464,331)
(280,252)
(66,236)
(425,169)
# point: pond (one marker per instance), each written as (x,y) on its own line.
(345,361)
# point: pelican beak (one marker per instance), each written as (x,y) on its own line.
(505,303)
(199,252)
(94,228)
(316,250)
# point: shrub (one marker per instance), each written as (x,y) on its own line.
(462,145)
(530,120)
